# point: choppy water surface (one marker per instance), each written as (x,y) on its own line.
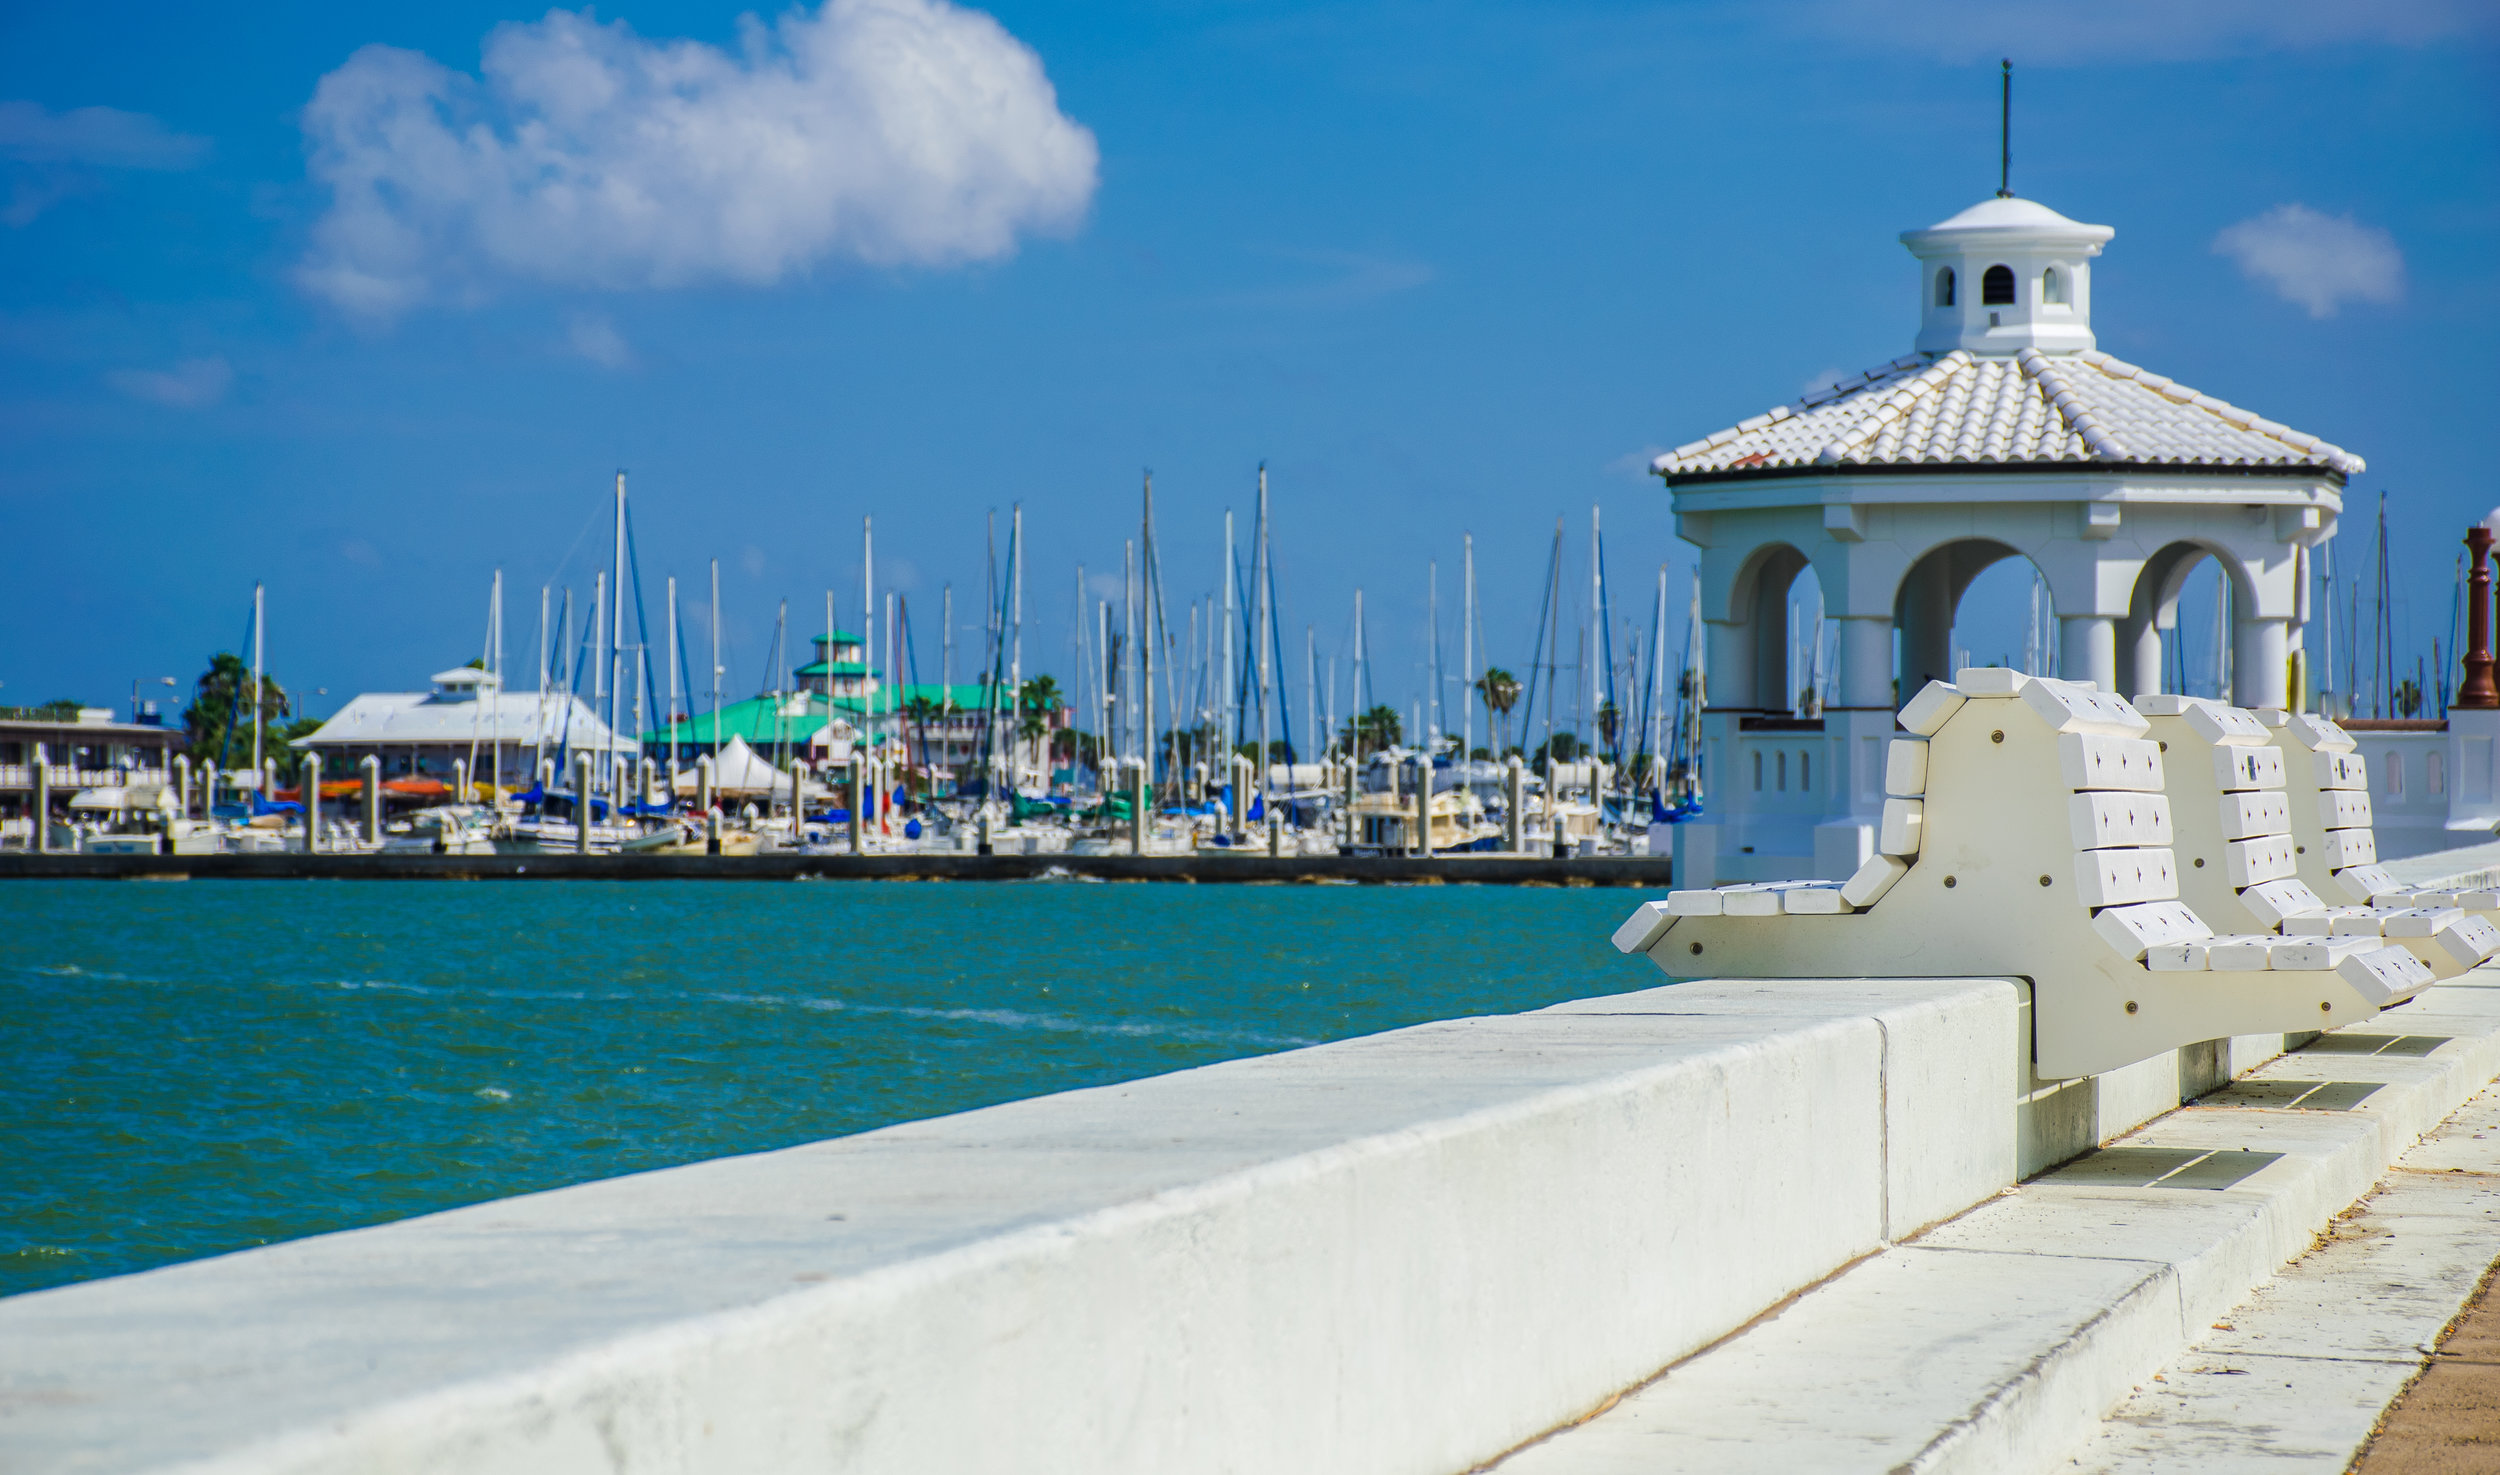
(195,1068)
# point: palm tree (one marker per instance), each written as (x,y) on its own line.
(222,704)
(1500,691)
(1376,729)
(1035,703)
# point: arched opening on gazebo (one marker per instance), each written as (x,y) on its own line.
(1777,601)
(2180,634)
(1972,601)
(2007,617)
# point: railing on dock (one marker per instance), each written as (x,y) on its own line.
(22,776)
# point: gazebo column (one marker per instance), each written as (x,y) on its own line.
(2139,657)
(1731,673)
(2088,650)
(1926,627)
(1770,653)
(2259,649)
(1865,662)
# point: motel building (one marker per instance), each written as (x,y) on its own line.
(84,753)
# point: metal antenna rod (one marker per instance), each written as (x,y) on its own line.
(2005,134)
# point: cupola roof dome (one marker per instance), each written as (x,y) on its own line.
(2011,212)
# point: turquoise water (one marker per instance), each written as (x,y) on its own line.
(196,1068)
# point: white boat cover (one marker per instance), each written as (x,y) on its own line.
(738,770)
(134,796)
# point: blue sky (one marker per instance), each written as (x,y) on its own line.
(1448,268)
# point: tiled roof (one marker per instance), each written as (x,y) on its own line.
(390,718)
(2029,410)
(763,720)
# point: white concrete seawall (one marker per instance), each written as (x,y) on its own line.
(1409,1252)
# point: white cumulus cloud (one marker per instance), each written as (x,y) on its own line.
(596,339)
(31,133)
(46,157)
(2319,261)
(193,384)
(891,132)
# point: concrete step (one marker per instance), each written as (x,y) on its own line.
(2001,1339)
(2292,1381)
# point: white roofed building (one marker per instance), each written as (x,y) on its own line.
(2005,434)
(468,718)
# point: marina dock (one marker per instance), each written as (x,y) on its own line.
(1322,870)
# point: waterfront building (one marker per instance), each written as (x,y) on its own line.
(2004,434)
(468,718)
(841,671)
(83,748)
(930,726)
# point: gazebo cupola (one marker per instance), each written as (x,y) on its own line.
(2005,275)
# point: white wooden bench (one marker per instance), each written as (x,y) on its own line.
(2028,834)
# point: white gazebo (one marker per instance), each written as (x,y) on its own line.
(2006,434)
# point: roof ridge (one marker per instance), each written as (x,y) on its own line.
(2070,407)
(1895,405)
(2228,413)
(1815,399)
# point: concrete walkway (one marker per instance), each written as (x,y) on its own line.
(1999,1341)
(2448,1422)
(2295,1379)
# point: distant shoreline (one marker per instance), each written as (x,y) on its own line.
(1483,870)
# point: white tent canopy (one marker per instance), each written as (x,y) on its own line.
(134,796)
(739,770)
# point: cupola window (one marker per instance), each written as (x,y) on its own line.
(1996,288)
(2053,286)
(1944,287)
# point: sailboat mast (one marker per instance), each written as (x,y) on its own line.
(1589,657)
(1310,682)
(495,659)
(538,731)
(616,621)
(894,674)
(671,717)
(1230,732)
(1146,546)
(1258,598)
(1467,650)
(1697,678)
(1107,740)
(1553,650)
(716,663)
(868,631)
(1362,658)
(259,678)
(1083,696)
(1132,741)
(597,633)
(1015,655)
(1432,621)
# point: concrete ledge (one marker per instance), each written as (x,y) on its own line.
(1403,1253)
(2296,1378)
(1999,1341)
